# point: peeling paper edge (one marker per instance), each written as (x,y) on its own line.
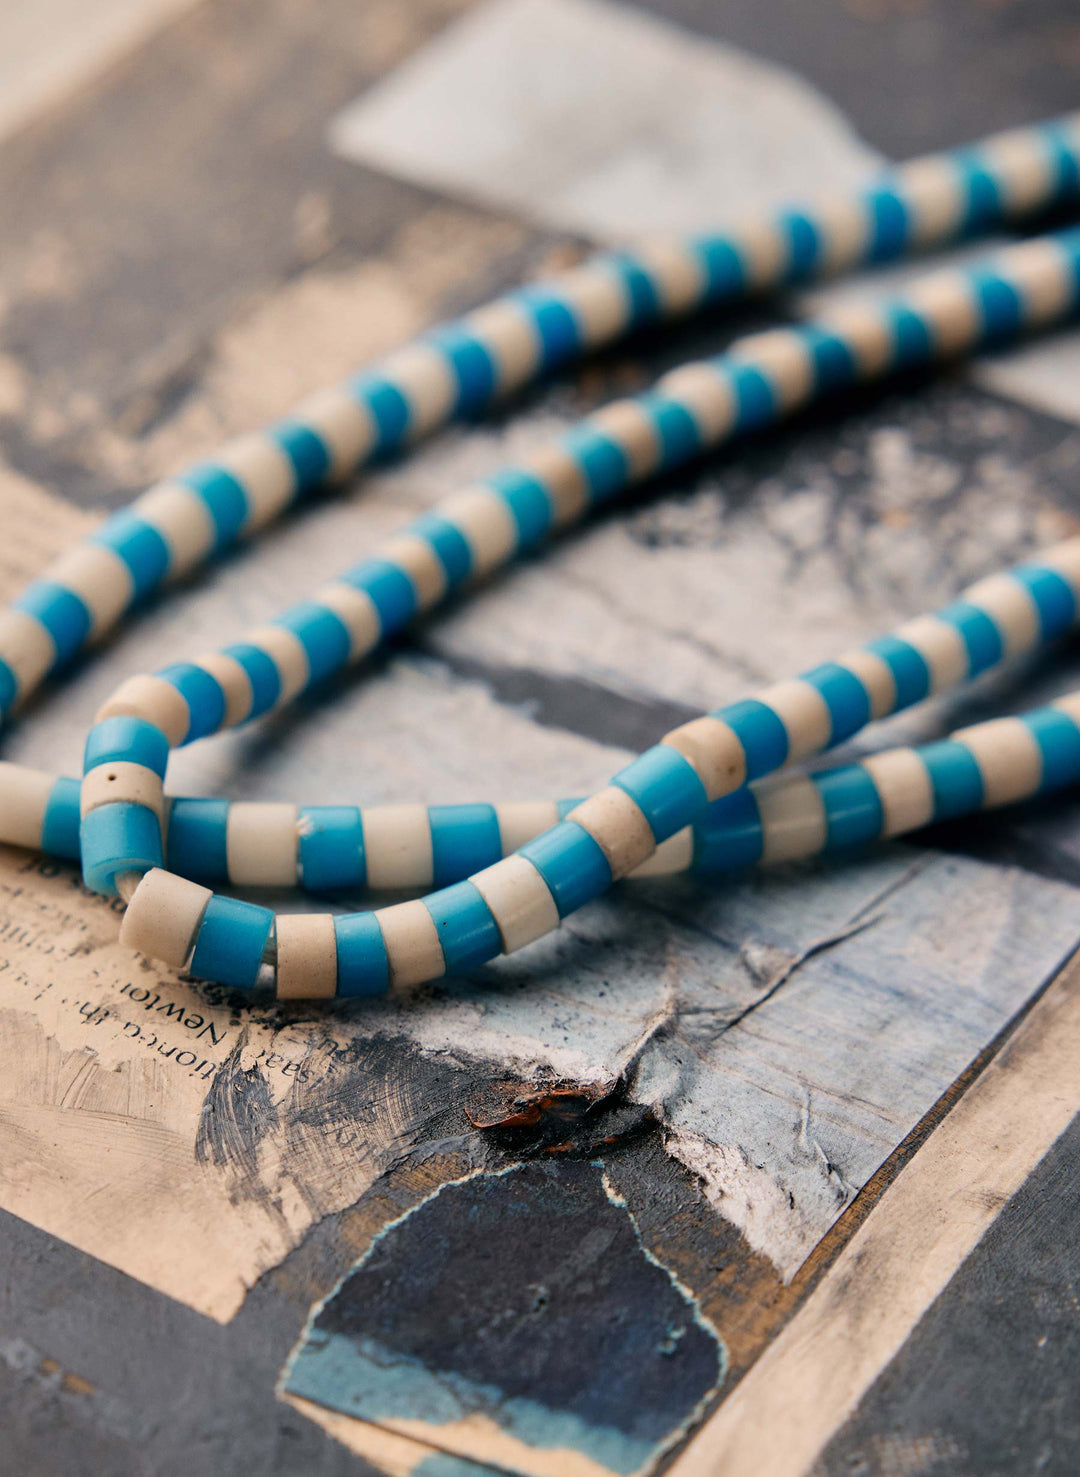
(754,1201)
(663,1449)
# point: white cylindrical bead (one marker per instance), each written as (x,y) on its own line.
(397,846)
(563,480)
(904,787)
(947,302)
(358,614)
(1008,756)
(627,424)
(234,683)
(511,338)
(26,647)
(793,822)
(784,358)
(487,524)
(182,518)
(306,956)
(153,699)
(426,379)
(877,678)
(101,580)
(941,647)
(520,901)
(163,917)
(122,781)
(287,653)
(24,795)
(715,751)
(1012,610)
(803,712)
(261,844)
(421,563)
(344,424)
(413,950)
(522,820)
(706,394)
(265,473)
(617,824)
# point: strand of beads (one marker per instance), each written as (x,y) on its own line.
(460,368)
(343,848)
(519,898)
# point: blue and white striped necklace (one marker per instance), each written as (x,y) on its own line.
(706,797)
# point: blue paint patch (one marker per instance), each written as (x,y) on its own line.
(536,1339)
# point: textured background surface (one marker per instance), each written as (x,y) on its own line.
(719,1082)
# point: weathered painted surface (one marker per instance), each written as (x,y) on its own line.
(516,1315)
(779,1036)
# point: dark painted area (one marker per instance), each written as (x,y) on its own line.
(528,1286)
(988,1382)
(913,75)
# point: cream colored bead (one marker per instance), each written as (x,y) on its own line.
(357,612)
(182,518)
(1022,166)
(673,855)
(876,676)
(413,950)
(563,481)
(520,901)
(793,820)
(904,787)
(1008,756)
(266,474)
(234,683)
(24,795)
(260,845)
(287,653)
(762,250)
(427,381)
(397,846)
(510,336)
(306,956)
(786,361)
(487,523)
(932,193)
(421,563)
(941,647)
(617,824)
(844,227)
(345,426)
(627,424)
(707,395)
(153,699)
(101,580)
(163,917)
(27,648)
(676,270)
(112,783)
(1012,610)
(522,820)
(803,712)
(866,332)
(713,748)
(598,300)
(1043,274)
(947,301)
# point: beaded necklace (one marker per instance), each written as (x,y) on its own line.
(702,797)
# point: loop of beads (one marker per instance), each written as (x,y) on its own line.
(662,799)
